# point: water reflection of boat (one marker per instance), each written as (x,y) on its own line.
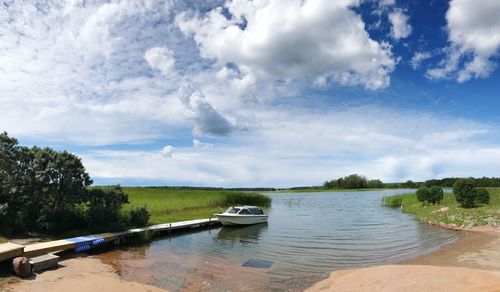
(244,215)
(243,234)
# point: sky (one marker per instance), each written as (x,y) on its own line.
(242,93)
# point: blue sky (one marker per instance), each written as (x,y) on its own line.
(256,93)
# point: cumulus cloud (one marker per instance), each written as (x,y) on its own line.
(418,58)
(474,40)
(203,145)
(76,72)
(167,151)
(387,2)
(289,40)
(399,24)
(319,144)
(161,59)
(206,118)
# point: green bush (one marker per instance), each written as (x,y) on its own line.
(436,195)
(465,192)
(104,205)
(424,194)
(139,217)
(482,196)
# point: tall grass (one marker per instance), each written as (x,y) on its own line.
(484,215)
(169,205)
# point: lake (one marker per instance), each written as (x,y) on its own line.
(308,236)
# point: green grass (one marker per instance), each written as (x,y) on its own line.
(170,205)
(484,215)
(3,239)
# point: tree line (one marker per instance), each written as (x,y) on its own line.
(355,181)
(45,190)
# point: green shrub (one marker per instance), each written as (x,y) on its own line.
(465,192)
(424,194)
(139,217)
(436,195)
(482,196)
(104,205)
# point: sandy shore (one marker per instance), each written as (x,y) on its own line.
(470,264)
(79,274)
(410,278)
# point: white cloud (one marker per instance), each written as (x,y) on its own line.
(167,151)
(206,118)
(292,40)
(161,59)
(474,37)
(203,145)
(400,28)
(296,147)
(76,71)
(387,2)
(418,58)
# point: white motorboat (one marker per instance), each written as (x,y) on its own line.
(242,215)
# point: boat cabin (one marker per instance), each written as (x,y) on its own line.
(245,210)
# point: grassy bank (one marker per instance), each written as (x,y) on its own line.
(170,205)
(485,215)
(3,239)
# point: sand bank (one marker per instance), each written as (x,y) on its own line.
(410,278)
(470,264)
(79,274)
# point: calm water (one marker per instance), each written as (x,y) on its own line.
(308,236)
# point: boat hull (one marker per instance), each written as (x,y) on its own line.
(241,219)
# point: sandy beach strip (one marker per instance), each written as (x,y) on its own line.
(79,274)
(395,278)
(470,264)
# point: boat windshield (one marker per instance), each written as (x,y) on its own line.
(233,210)
(256,211)
(244,212)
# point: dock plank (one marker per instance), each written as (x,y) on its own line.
(38,249)
(42,248)
(10,250)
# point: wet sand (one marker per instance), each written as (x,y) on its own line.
(391,278)
(478,250)
(472,263)
(180,272)
(79,274)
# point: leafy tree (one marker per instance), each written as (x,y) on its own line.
(354,181)
(423,194)
(46,190)
(139,217)
(436,194)
(104,205)
(465,192)
(409,184)
(482,196)
(375,183)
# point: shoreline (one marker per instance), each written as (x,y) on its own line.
(471,263)
(475,255)
(85,272)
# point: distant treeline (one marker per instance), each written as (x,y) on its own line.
(355,181)
(449,181)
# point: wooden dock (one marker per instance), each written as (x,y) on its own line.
(81,243)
